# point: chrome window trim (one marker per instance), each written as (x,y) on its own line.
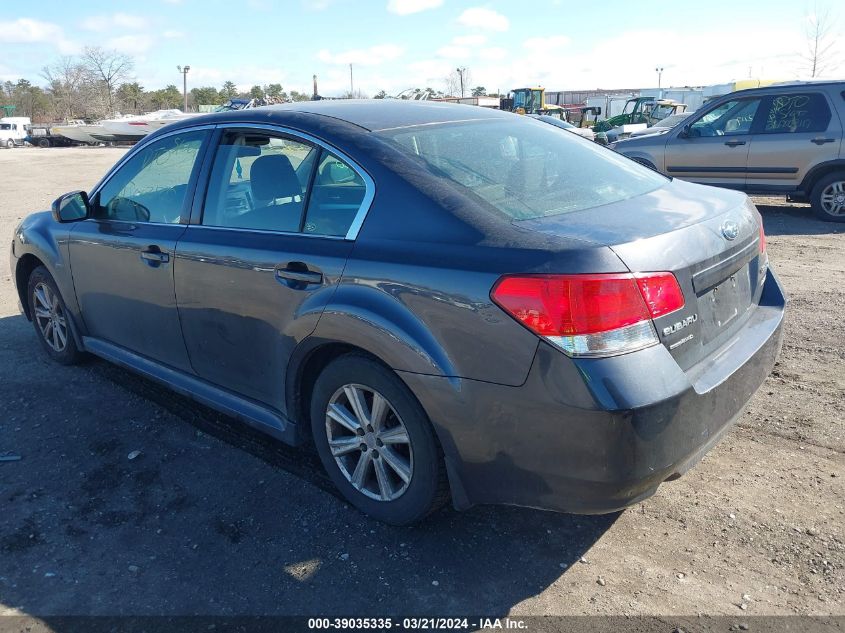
(266,232)
(369,183)
(140,145)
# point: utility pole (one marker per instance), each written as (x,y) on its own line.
(461,72)
(351,84)
(184,72)
(659,71)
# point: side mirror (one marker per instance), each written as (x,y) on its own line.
(684,133)
(71,207)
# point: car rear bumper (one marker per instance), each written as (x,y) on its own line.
(596,435)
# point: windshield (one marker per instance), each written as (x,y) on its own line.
(5,126)
(523,168)
(530,100)
(629,106)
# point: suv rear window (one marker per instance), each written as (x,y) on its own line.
(795,113)
(524,168)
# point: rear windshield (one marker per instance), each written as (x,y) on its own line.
(524,168)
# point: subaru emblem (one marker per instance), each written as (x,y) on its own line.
(730,229)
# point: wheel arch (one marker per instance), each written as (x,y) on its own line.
(308,361)
(820,171)
(309,358)
(26,264)
(643,158)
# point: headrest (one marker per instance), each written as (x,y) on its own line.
(272,176)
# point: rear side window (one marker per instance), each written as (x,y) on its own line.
(525,168)
(794,113)
(336,196)
(259,182)
(267,182)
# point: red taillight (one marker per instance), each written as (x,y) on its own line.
(590,314)
(661,292)
(762,237)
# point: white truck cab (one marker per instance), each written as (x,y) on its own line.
(13,130)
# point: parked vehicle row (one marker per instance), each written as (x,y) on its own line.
(443,301)
(781,139)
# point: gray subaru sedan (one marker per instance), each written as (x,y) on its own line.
(445,302)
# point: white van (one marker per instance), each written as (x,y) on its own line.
(13,130)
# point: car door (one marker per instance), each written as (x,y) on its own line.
(256,268)
(122,257)
(713,149)
(794,133)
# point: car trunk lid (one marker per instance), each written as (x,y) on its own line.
(708,238)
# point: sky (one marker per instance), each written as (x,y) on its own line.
(398,44)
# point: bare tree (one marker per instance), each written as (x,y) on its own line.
(109,69)
(453,84)
(457,80)
(67,82)
(820,42)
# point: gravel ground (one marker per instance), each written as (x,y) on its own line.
(211,518)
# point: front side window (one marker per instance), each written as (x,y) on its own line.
(153,184)
(523,168)
(732,118)
(790,114)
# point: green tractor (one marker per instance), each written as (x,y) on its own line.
(648,110)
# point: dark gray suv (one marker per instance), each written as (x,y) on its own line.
(783,139)
(442,300)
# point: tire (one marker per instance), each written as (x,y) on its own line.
(828,197)
(10,144)
(54,327)
(382,492)
(43,143)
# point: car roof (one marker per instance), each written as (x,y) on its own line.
(370,114)
(791,84)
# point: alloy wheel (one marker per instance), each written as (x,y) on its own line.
(833,198)
(50,317)
(369,442)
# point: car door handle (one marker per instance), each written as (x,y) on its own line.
(822,141)
(300,276)
(154,256)
(734,143)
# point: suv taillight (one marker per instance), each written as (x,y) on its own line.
(762,237)
(590,315)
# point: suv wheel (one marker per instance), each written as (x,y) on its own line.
(828,198)
(50,318)
(375,441)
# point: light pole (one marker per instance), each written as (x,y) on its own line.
(184,70)
(351,84)
(659,71)
(461,72)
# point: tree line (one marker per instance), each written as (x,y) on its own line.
(99,84)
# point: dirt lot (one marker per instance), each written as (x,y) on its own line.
(196,524)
